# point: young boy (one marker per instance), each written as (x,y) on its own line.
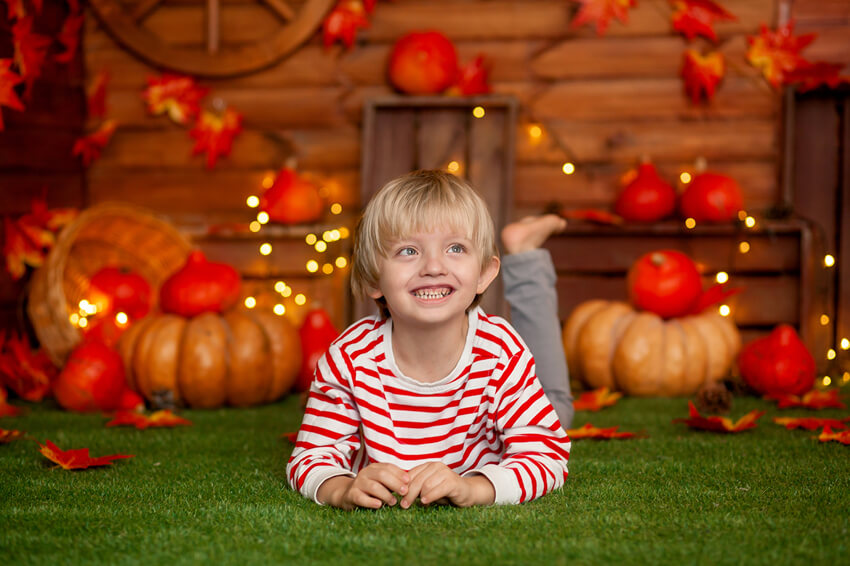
(432,399)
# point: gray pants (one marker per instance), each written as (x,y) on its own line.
(529,280)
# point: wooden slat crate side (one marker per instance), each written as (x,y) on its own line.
(441,137)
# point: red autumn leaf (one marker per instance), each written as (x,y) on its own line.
(472,79)
(814,399)
(828,435)
(715,294)
(96,95)
(595,215)
(158,419)
(719,424)
(15,9)
(214,134)
(69,36)
(26,372)
(810,423)
(7,436)
(809,76)
(290,436)
(8,81)
(596,399)
(601,12)
(76,459)
(175,95)
(701,74)
(30,49)
(696,17)
(28,236)
(777,53)
(342,23)
(590,431)
(89,146)
(19,249)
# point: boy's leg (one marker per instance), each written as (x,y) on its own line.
(529,282)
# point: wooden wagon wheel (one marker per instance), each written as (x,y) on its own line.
(125,24)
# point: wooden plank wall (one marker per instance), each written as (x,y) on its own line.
(35,147)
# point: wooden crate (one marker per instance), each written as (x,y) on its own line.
(780,275)
(404,133)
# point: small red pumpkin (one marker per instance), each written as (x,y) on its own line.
(316,333)
(92,379)
(711,197)
(665,282)
(423,63)
(647,198)
(122,290)
(778,363)
(292,199)
(200,286)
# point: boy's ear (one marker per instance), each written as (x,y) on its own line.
(374,293)
(488,273)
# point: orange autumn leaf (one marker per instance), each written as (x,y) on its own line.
(719,424)
(601,12)
(290,436)
(30,49)
(472,78)
(158,419)
(596,399)
(69,36)
(777,53)
(90,146)
(214,134)
(814,399)
(590,431)
(693,18)
(177,96)
(96,95)
(810,423)
(701,74)
(342,23)
(26,372)
(8,81)
(19,250)
(7,436)
(828,435)
(76,459)
(809,76)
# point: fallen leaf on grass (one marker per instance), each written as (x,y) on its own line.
(7,436)
(596,399)
(812,400)
(810,423)
(827,435)
(590,431)
(290,436)
(76,459)
(159,419)
(719,424)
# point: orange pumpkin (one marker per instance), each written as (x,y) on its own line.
(610,344)
(237,358)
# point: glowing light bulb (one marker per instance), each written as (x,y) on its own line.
(453,167)
(253,201)
(845,377)
(250,302)
(826,380)
(266,248)
(568,168)
(824,319)
(830,354)
(121,318)
(535,131)
(327,269)
(845,344)
(74,318)
(84,305)
(724,310)
(312,266)
(335,235)
(279,309)
(83,322)
(286,292)
(744,247)
(721,277)
(478,112)
(742,215)
(263,217)
(341,262)
(300,299)
(749,221)
(690,223)
(279,286)
(321,246)
(268,181)
(685,177)
(828,260)
(255,226)
(344,232)
(311,239)
(336,208)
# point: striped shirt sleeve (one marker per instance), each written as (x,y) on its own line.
(536,448)
(329,437)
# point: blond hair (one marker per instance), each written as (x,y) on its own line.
(420,201)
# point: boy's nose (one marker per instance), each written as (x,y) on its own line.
(433,264)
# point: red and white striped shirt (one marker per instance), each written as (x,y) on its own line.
(488,416)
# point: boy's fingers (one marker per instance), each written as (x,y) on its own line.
(418,477)
(379,491)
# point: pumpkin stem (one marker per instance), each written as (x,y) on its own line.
(657,259)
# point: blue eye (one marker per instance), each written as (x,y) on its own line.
(406,251)
(457,249)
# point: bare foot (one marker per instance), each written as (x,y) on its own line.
(530,232)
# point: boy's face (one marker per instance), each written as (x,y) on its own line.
(432,277)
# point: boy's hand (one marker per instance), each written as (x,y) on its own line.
(372,488)
(435,482)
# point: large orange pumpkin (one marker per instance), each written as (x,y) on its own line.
(238,358)
(610,344)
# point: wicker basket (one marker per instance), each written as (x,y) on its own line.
(108,234)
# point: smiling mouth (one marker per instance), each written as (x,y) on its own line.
(432,293)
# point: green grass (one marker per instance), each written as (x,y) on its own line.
(216,493)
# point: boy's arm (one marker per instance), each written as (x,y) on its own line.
(536,448)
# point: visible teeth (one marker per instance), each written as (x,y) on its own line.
(431,293)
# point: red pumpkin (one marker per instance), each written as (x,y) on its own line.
(122,290)
(711,197)
(647,198)
(292,199)
(665,282)
(200,286)
(316,332)
(92,379)
(778,363)
(423,63)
